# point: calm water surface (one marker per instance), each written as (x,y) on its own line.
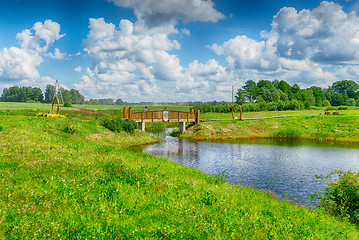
(288,170)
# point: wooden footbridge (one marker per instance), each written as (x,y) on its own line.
(141,117)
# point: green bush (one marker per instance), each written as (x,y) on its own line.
(69,129)
(67,104)
(1,128)
(341,197)
(331,108)
(343,108)
(118,125)
(251,107)
(295,105)
(175,133)
(254,107)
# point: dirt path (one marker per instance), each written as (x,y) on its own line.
(92,111)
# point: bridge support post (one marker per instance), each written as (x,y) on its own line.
(182,126)
(124,115)
(197,116)
(142,126)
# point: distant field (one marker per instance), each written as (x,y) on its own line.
(246,115)
(311,125)
(24,106)
(47,106)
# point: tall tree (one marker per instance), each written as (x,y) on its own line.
(251,89)
(285,87)
(37,95)
(269,95)
(73,96)
(49,93)
(349,86)
(240,97)
(337,99)
(295,89)
(120,102)
(265,83)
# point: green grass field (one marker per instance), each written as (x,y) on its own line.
(74,179)
(313,126)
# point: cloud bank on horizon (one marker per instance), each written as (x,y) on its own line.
(139,60)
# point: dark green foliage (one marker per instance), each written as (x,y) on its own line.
(22,94)
(348,87)
(208,198)
(72,96)
(49,93)
(220,178)
(67,104)
(350,102)
(254,107)
(341,197)
(175,133)
(276,95)
(1,128)
(251,90)
(337,99)
(331,108)
(240,97)
(120,102)
(29,94)
(342,107)
(69,129)
(118,125)
(108,101)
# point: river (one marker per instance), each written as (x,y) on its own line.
(286,168)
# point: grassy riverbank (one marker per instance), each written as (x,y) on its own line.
(343,128)
(68,178)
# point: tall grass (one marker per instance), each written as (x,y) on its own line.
(86,184)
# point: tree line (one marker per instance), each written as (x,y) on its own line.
(278,95)
(345,92)
(35,94)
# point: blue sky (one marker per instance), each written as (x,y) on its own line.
(171,50)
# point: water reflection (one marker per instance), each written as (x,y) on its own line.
(290,168)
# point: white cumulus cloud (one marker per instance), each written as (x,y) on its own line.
(40,37)
(245,53)
(57,54)
(158,12)
(126,55)
(325,34)
(78,69)
(19,65)
(134,62)
(306,47)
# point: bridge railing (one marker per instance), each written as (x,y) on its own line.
(161,116)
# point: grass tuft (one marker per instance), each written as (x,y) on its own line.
(70,129)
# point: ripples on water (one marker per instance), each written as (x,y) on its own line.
(288,169)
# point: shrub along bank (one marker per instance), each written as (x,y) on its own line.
(84,183)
